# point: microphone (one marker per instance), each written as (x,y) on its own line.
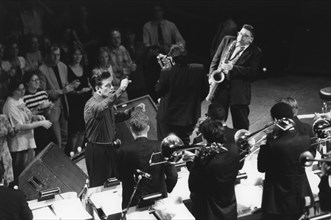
(144,174)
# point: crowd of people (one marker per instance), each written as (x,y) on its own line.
(66,89)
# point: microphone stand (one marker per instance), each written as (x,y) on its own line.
(125,211)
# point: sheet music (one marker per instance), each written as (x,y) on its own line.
(44,213)
(70,209)
(110,201)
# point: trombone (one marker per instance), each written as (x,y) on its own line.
(307,159)
(172,149)
(243,137)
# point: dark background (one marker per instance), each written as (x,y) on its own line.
(295,36)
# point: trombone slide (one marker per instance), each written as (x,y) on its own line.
(304,116)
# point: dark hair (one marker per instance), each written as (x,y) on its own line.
(14,83)
(73,48)
(212,131)
(216,111)
(96,79)
(53,47)
(250,28)
(138,122)
(28,75)
(281,110)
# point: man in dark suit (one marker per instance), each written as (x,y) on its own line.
(137,155)
(13,205)
(285,185)
(213,175)
(238,59)
(182,88)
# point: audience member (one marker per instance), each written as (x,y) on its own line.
(100,129)
(212,176)
(13,204)
(21,145)
(120,60)
(37,101)
(5,75)
(136,155)
(160,33)
(86,32)
(136,49)
(77,70)
(182,88)
(103,64)
(238,59)
(158,36)
(55,81)
(285,185)
(6,130)
(17,63)
(33,57)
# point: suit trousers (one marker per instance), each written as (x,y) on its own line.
(100,163)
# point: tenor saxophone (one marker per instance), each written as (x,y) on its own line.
(218,75)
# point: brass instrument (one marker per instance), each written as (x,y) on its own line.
(324,114)
(322,128)
(306,159)
(242,137)
(172,149)
(218,75)
(165,61)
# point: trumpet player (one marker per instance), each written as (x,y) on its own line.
(285,186)
(182,88)
(239,60)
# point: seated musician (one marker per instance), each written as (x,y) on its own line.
(136,155)
(13,203)
(286,185)
(213,174)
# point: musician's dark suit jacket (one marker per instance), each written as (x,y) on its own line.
(182,89)
(13,205)
(136,155)
(211,182)
(286,184)
(241,75)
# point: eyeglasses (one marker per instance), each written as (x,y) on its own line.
(244,35)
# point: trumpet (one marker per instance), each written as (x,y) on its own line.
(172,149)
(165,61)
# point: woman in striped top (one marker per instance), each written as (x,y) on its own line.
(37,101)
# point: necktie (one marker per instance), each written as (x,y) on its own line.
(236,52)
(63,101)
(160,35)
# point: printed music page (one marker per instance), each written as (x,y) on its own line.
(70,209)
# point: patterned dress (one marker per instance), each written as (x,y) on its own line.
(6,129)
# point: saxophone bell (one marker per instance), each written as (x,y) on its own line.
(216,77)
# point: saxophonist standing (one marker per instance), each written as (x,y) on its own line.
(234,64)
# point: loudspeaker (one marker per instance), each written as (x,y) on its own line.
(50,169)
(123,128)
